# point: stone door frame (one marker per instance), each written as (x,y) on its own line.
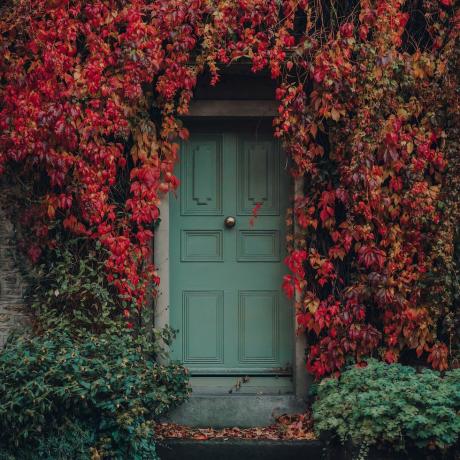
(215,109)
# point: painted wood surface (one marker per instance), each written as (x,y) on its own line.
(226,298)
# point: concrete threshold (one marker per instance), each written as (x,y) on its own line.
(235,410)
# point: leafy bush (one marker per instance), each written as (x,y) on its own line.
(95,396)
(69,441)
(391,405)
(69,289)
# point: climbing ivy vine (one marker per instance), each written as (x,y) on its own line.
(90,98)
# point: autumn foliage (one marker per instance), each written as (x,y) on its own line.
(90,94)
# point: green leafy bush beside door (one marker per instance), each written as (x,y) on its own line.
(92,397)
(390,405)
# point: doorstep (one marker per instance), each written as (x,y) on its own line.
(238,449)
(234,410)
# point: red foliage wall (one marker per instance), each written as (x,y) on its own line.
(366,91)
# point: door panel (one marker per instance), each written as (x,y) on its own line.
(202,245)
(258,311)
(202,176)
(203,311)
(258,177)
(258,245)
(226,300)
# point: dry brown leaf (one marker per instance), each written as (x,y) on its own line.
(287,427)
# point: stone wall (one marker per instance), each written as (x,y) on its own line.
(12,282)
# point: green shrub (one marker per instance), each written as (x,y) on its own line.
(68,441)
(70,289)
(95,396)
(390,405)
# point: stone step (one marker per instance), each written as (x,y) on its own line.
(223,411)
(238,449)
(263,449)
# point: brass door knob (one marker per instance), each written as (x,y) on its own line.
(230,221)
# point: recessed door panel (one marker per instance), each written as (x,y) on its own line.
(201,189)
(258,245)
(258,327)
(202,311)
(258,176)
(202,246)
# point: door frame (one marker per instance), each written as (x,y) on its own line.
(301,380)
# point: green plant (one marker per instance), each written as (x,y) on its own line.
(392,405)
(70,289)
(68,441)
(95,396)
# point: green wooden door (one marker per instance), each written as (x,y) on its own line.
(226,300)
